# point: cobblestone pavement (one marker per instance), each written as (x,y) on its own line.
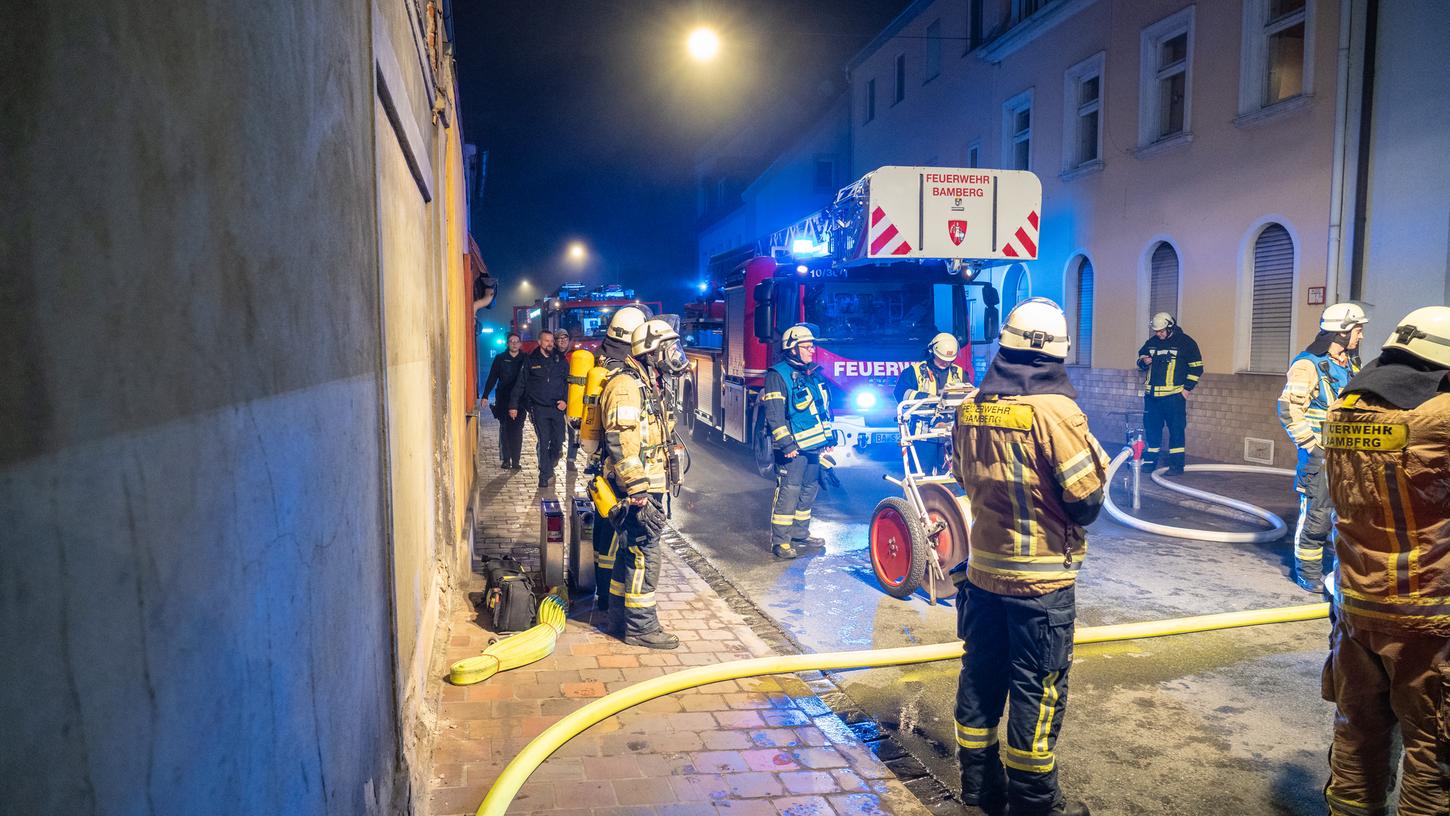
(764,745)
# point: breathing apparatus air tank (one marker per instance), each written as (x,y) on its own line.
(591,424)
(581,362)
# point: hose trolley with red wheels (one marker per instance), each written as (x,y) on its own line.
(916,538)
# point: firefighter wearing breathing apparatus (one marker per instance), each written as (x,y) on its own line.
(798,418)
(1387,442)
(1314,380)
(614,350)
(638,447)
(1036,477)
(928,378)
(1171,366)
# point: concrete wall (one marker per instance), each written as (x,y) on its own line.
(216,470)
(1407,258)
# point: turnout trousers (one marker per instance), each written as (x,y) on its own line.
(606,544)
(1316,515)
(632,610)
(549,428)
(1378,681)
(1018,653)
(797,481)
(1170,410)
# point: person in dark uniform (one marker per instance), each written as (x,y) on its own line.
(1171,366)
(540,391)
(503,374)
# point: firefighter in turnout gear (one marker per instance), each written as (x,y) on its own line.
(928,378)
(798,418)
(614,350)
(1036,477)
(1315,378)
(1387,441)
(1171,366)
(638,429)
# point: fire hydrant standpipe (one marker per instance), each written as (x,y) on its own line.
(506,787)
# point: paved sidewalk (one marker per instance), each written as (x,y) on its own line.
(756,746)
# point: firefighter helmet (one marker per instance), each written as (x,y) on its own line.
(656,343)
(1037,324)
(626,319)
(1341,317)
(944,347)
(1162,321)
(795,335)
(1425,333)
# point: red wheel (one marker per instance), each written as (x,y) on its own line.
(942,505)
(898,547)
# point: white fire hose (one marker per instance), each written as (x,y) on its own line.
(1276,524)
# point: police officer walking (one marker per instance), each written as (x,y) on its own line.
(638,427)
(540,391)
(1035,476)
(1386,441)
(503,374)
(798,417)
(614,350)
(928,378)
(1171,365)
(1315,378)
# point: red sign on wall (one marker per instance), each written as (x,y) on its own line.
(1316,296)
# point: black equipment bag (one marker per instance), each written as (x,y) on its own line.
(509,595)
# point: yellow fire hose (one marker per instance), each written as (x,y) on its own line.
(535,643)
(501,795)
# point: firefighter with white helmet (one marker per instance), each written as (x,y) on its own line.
(1386,441)
(1315,379)
(638,427)
(798,419)
(1171,366)
(928,378)
(614,350)
(1036,477)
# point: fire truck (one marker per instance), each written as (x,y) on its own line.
(896,259)
(583,312)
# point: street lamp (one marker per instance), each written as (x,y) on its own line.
(703,44)
(576,252)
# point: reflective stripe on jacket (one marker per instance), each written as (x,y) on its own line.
(1019,460)
(920,380)
(1389,476)
(636,428)
(1176,364)
(1311,384)
(797,408)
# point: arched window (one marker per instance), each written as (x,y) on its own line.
(1080,311)
(1163,280)
(1016,287)
(1273,300)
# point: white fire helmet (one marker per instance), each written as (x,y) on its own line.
(1162,321)
(795,335)
(1341,317)
(1037,324)
(656,343)
(626,319)
(1424,333)
(945,347)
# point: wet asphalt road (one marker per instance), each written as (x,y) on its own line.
(1219,724)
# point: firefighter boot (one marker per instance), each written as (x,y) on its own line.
(1309,575)
(658,639)
(784,551)
(810,543)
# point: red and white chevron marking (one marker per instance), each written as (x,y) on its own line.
(885,238)
(1023,243)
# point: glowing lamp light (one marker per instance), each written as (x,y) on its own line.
(703,44)
(864,399)
(703,286)
(487,330)
(802,269)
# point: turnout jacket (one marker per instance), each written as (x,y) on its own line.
(1022,460)
(637,428)
(797,408)
(922,379)
(1176,365)
(543,382)
(1311,384)
(1388,471)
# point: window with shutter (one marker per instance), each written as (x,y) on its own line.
(1163,281)
(1273,300)
(1016,287)
(1082,335)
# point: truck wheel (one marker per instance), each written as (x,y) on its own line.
(761,449)
(898,547)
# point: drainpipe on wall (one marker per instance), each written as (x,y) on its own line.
(1346,145)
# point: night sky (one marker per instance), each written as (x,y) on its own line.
(592,115)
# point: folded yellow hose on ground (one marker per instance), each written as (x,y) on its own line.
(518,650)
(501,795)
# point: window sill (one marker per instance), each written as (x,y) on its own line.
(1084,169)
(1030,28)
(1274,112)
(1166,145)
